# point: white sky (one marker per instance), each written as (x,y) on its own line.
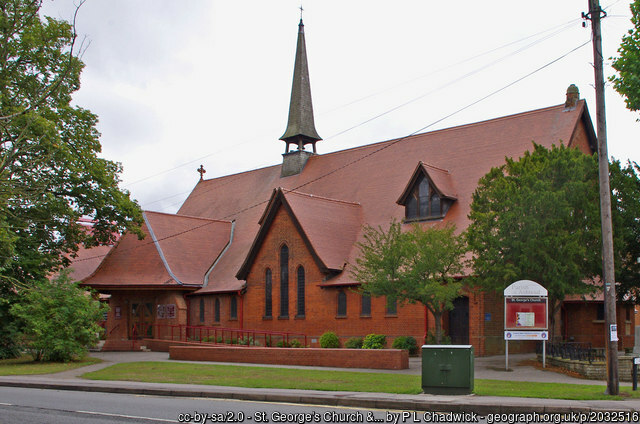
(177,84)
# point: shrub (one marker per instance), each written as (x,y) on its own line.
(374,341)
(247,341)
(329,340)
(282,343)
(295,343)
(60,320)
(354,343)
(406,343)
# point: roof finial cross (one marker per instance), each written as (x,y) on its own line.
(301,10)
(201,171)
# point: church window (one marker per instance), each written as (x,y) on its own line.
(201,310)
(392,306)
(424,202)
(365,310)
(233,307)
(300,291)
(284,282)
(342,304)
(216,310)
(267,294)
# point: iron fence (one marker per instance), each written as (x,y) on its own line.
(573,350)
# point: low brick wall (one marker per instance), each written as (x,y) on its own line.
(596,370)
(393,359)
(158,345)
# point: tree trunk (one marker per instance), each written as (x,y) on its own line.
(438,321)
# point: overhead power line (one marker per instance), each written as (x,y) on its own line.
(363,157)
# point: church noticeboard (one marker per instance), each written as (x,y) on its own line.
(525,313)
(525,306)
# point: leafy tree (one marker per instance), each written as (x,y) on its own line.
(50,172)
(627,82)
(59,319)
(625,186)
(537,218)
(415,266)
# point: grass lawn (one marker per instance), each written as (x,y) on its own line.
(26,366)
(329,380)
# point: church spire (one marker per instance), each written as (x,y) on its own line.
(301,128)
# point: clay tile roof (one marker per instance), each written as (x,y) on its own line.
(375,175)
(330,227)
(177,251)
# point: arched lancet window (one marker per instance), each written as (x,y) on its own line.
(267,294)
(284,281)
(342,304)
(392,306)
(216,310)
(300,291)
(233,307)
(366,305)
(201,310)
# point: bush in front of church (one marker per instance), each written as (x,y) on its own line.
(329,340)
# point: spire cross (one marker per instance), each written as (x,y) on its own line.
(201,171)
(301,10)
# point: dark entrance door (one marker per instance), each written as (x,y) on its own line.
(141,320)
(459,321)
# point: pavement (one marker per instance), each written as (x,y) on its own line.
(485,368)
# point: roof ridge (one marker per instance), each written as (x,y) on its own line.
(315,196)
(201,218)
(407,137)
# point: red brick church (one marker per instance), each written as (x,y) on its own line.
(271,249)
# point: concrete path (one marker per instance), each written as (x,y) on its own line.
(485,368)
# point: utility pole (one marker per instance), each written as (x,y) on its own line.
(608,274)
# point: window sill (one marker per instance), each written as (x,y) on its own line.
(422,219)
(598,321)
(265,318)
(365,316)
(283,317)
(341,317)
(391,315)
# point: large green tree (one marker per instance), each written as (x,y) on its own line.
(417,266)
(50,170)
(625,202)
(627,64)
(537,218)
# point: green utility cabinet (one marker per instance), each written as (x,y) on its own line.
(447,369)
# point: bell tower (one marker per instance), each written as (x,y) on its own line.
(301,128)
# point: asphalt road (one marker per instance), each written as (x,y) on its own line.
(38,406)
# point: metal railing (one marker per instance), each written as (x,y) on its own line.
(573,350)
(217,335)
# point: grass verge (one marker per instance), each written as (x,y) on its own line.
(329,380)
(25,365)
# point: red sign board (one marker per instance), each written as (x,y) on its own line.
(525,313)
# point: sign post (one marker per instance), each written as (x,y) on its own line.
(526,306)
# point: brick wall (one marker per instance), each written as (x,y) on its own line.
(581,324)
(344,358)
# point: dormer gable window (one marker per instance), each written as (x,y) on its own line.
(423,199)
